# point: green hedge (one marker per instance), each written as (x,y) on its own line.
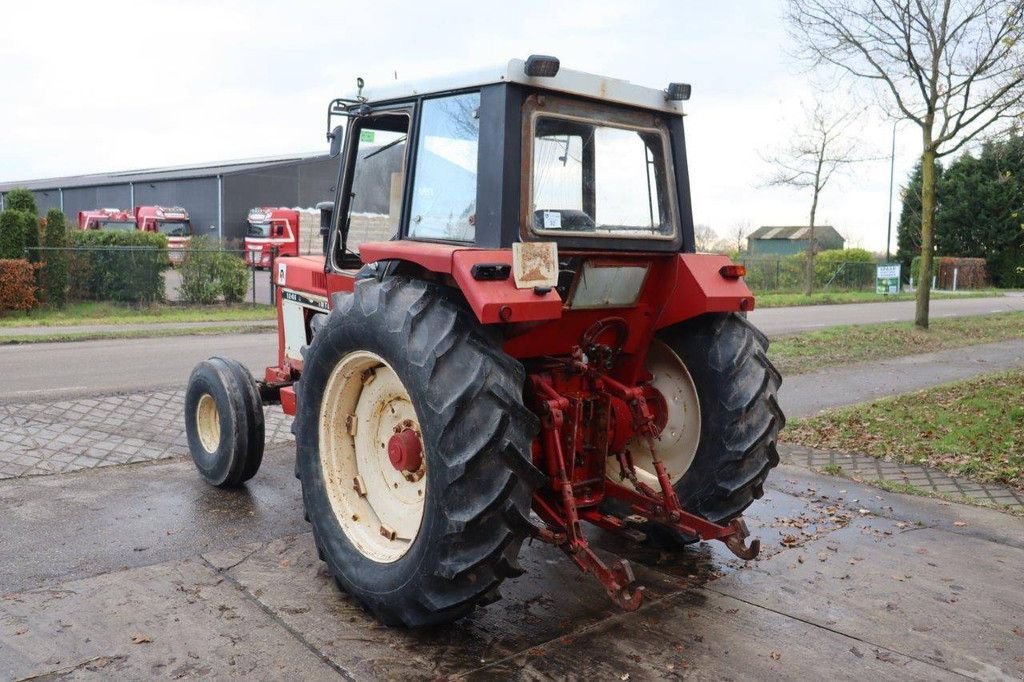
(835,269)
(118,266)
(210,272)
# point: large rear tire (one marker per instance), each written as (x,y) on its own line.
(722,359)
(401,356)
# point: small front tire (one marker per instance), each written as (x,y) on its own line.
(224,422)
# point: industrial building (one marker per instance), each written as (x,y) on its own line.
(217,196)
(790,240)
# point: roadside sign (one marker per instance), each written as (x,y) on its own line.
(887,279)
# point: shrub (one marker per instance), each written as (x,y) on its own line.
(17,284)
(234,277)
(12,240)
(970,273)
(845,269)
(30,235)
(118,266)
(55,271)
(199,272)
(210,272)
(20,200)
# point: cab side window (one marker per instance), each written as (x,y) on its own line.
(444,185)
(378,180)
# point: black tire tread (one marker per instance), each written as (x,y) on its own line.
(488,480)
(745,412)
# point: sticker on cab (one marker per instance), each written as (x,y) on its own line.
(282,272)
(552,220)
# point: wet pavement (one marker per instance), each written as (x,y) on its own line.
(143,571)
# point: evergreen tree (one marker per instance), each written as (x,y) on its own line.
(908,230)
(12,241)
(55,272)
(20,200)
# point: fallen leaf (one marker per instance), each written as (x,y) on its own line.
(141,639)
(776,655)
(959,524)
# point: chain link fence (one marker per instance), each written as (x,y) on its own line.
(142,274)
(788,274)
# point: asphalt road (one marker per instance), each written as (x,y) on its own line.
(48,370)
(778,321)
(54,369)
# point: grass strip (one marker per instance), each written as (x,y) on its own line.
(149,333)
(972,428)
(784,300)
(848,344)
(115,313)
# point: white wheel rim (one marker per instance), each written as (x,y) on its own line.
(379,508)
(208,423)
(680,438)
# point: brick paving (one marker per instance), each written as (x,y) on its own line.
(870,468)
(67,435)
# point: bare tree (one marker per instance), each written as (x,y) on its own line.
(956,69)
(706,239)
(818,148)
(739,232)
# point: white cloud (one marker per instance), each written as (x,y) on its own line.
(113,85)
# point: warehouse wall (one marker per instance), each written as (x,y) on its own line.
(301,184)
(88,198)
(47,199)
(198,196)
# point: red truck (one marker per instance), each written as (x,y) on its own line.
(172,221)
(106,219)
(269,228)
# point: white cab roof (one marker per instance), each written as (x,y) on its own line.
(567,80)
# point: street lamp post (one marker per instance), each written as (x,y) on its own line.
(892,167)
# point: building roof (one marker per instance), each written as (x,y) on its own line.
(821,232)
(201,170)
(566,80)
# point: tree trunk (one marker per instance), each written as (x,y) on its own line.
(809,274)
(924,285)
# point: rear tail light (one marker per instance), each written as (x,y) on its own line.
(732,271)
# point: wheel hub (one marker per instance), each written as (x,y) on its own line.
(406,451)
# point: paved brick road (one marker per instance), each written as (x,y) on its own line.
(67,435)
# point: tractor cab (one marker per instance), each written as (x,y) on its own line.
(528,152)
(270,232)
(172,221)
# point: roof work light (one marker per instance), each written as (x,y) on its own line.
(541,66)
(678,92)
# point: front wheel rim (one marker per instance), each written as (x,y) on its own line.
(379,507)
(208,423)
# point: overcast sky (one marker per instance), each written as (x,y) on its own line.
(100,86)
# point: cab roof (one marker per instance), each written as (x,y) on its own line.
(566,80)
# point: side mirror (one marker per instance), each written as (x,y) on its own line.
(326,218)
(337,137)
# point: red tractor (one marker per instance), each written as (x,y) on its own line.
(106,219)
(270,229)
(171,221)
(538,345)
